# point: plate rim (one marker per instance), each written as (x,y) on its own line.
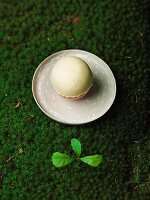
(63,122)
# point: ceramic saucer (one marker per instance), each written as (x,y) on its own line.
(95,104)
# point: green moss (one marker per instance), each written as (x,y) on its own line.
(118,32)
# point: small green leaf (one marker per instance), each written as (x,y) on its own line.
(94,160)
(76,146)
(61,159)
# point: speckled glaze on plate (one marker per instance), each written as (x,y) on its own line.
(95,104)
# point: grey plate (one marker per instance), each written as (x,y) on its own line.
(95,104)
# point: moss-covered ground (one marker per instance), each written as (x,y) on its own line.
(116,31)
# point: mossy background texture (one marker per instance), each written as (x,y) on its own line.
(116,31)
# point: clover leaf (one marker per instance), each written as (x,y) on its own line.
(61,159)
(94,160)
(76,146)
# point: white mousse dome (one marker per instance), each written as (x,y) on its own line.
(71,77)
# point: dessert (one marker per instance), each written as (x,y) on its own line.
(71,77)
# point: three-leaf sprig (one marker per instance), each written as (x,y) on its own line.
(62,159)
